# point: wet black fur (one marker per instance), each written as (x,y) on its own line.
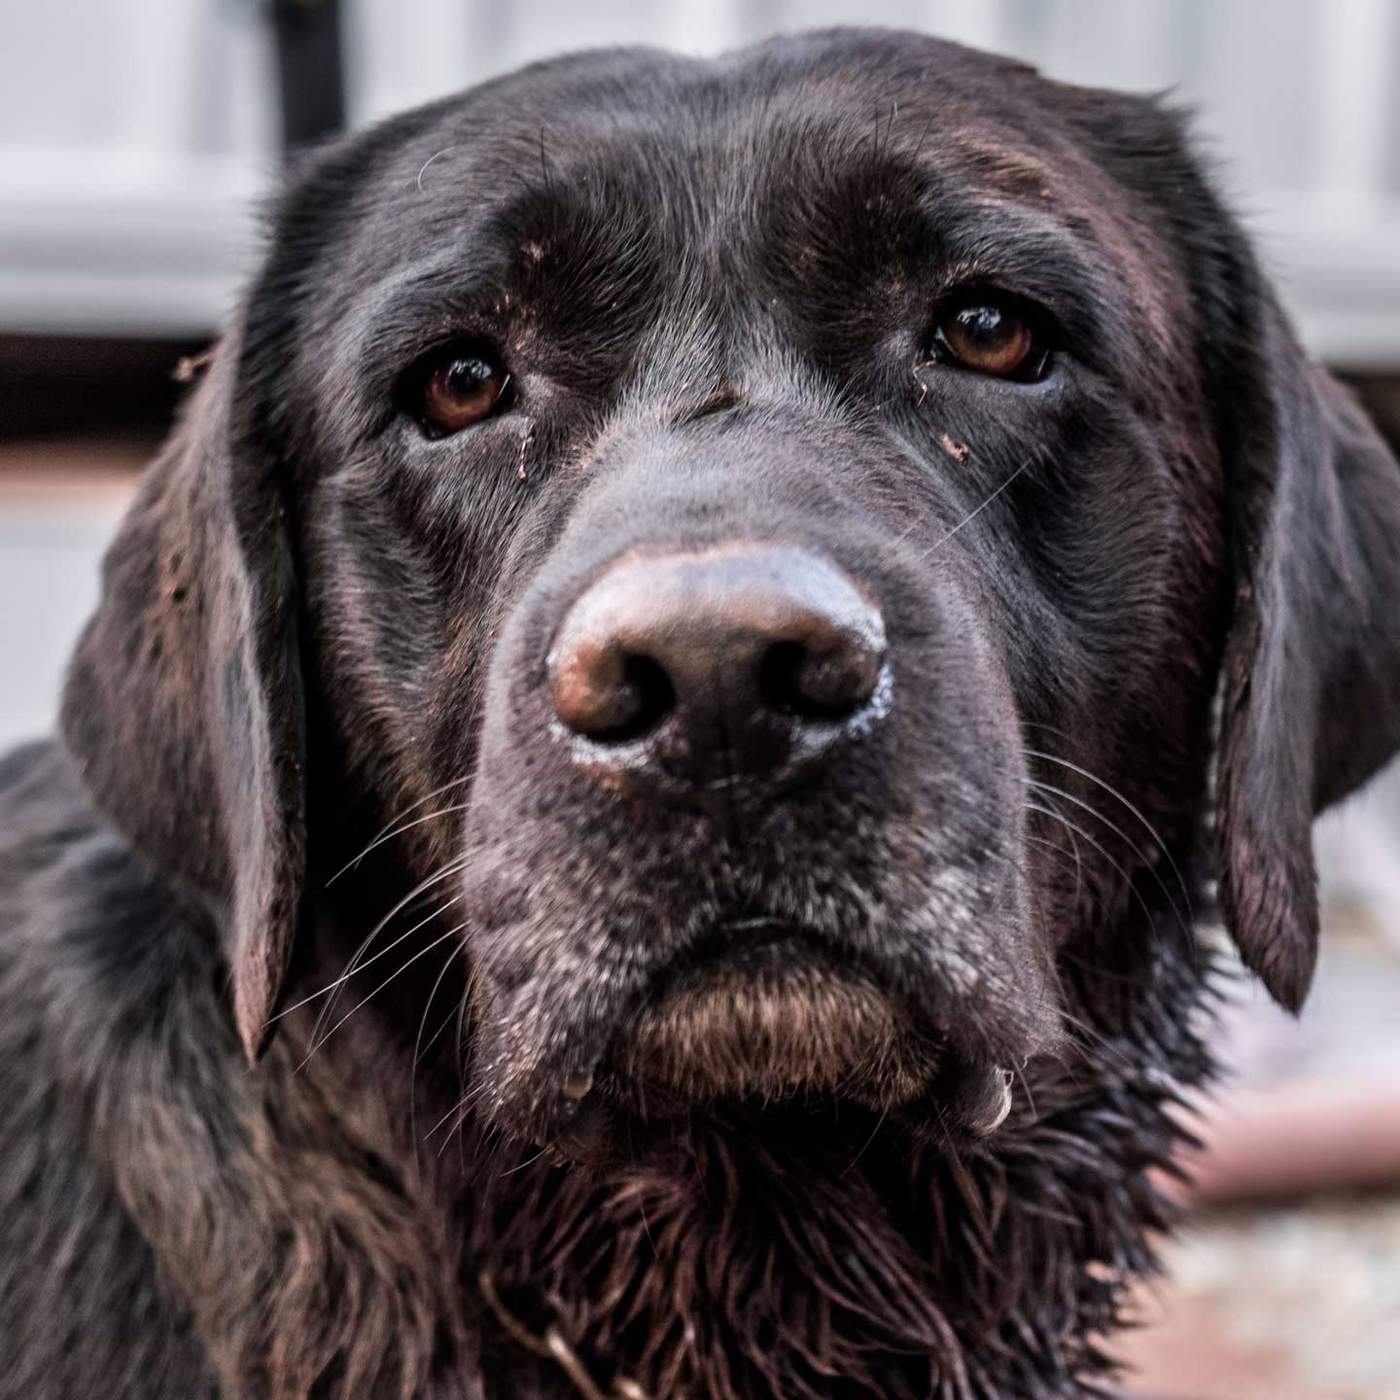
(714,284)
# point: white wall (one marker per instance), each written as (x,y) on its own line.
(135,134)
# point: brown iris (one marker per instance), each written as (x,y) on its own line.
(461,388)
(992,338)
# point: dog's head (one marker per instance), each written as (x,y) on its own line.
(797,513)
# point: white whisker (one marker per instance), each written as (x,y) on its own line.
(1114,793)
(973,514)
(422,952)
(388,831)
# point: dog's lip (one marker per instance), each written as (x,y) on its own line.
(909,1061)
(757,944)
(729,943)
(756,950)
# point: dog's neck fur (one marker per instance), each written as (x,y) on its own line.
(743,1260)
(738,1257)
(323,1254)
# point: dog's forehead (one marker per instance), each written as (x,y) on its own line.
(711,146)
(606,191)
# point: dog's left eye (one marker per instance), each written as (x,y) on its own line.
(994,338)
(459,388)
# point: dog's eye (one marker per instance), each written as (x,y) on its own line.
(992,338)
(459,388)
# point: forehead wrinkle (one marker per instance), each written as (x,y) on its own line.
(946,156)
(1032,252)
(397,316)
(1003,161)
(907,222)
(486,272)
(1073,191)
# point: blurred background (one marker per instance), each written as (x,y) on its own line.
(137,138)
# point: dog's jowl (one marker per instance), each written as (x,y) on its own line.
(634,815)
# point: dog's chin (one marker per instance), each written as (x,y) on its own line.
(770,1029)
(757,1031)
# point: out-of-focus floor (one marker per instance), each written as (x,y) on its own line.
(1300,1302)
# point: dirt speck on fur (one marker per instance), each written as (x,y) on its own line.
(958,451)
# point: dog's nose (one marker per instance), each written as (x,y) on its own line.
(730,661)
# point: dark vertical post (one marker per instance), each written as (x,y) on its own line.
(310,70)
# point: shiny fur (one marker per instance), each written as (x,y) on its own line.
(538,1144)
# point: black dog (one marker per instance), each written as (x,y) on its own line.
(741,559)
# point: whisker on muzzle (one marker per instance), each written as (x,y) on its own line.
(422,952)
(391,828)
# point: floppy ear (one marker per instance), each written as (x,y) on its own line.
(183,705)
(1311,685)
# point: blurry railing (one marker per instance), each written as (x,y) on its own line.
(136,134)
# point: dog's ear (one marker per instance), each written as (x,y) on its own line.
(1310,693)
(1310,685)
(183,705)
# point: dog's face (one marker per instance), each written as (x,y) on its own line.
(794,511)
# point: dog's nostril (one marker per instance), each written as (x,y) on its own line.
(827,683)
(611,695)
(650,698)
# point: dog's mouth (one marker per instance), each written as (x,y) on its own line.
(751,1015)
(763,1014)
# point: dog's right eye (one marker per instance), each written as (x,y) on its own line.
(993,336)
(458,388)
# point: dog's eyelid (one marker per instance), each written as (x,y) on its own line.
(1067,308)
(960,295)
